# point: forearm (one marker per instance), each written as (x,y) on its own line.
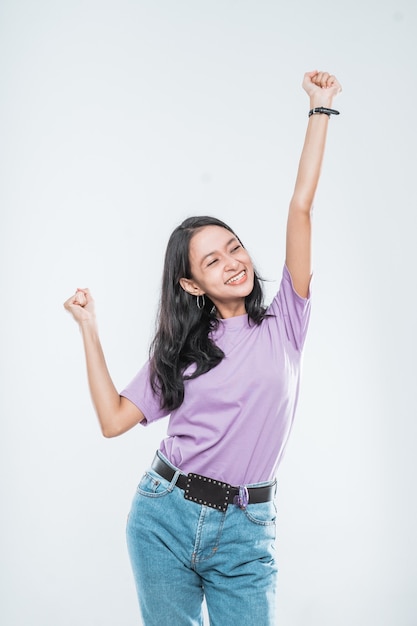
(116,414)
(105,397)
(311,158)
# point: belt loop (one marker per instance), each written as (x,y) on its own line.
(174,480)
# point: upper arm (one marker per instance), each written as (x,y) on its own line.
(298,248)
(127,416)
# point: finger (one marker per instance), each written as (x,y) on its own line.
(81,294)
(316,78)
(68,302)
(321,79)
(331,81)
(81,298)
(334,83)
(86,293)
(71,302)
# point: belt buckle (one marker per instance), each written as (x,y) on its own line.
(207,491)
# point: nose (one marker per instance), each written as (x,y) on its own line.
(231,263)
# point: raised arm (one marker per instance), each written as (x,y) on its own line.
(321,87)
(115,413)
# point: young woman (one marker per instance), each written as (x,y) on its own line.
(226,369)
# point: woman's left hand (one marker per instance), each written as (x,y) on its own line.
(322,87)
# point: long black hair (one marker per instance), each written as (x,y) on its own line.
(182,335)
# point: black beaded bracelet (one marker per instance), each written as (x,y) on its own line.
(328,112)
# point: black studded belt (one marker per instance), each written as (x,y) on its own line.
(210,492)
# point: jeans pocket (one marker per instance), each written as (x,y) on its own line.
(263,514)
(153,486)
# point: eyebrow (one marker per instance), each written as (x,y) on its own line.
(215,251)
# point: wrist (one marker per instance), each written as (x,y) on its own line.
(88,326)
(321,100)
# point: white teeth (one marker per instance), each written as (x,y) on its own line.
(235,278)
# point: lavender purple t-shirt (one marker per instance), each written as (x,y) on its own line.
(235,420)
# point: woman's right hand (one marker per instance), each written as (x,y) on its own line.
(81,306)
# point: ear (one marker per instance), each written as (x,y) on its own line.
(190,287)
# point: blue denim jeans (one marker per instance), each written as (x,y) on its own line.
(181,551)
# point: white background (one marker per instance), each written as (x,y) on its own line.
(120,119)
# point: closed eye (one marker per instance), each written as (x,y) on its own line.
(212,262)
(236,248)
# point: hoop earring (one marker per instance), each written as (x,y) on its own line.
(200,303)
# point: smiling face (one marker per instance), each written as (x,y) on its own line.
(220,268)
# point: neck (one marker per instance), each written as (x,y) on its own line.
(231,310)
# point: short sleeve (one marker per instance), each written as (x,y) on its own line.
(140,392)
(293,309)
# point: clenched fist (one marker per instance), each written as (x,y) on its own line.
(322,87)
(81,306)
